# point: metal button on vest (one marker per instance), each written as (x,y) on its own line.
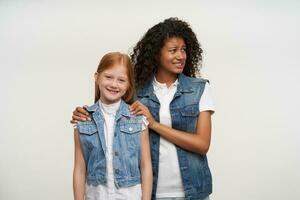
(130,129)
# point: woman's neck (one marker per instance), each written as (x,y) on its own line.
(167,78)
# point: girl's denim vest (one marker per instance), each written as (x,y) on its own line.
(126,147)
(184,108)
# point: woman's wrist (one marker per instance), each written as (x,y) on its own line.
(153,124)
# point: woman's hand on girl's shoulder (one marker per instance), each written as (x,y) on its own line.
(137,108)
(80,114)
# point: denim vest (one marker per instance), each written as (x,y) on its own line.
(184,109)
(126,147)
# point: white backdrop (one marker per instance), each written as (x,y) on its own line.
(49,51)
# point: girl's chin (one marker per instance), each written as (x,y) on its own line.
(110,101)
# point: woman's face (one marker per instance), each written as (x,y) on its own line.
(172,56)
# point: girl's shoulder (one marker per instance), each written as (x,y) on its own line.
(87,127)
(127,117)
(86,123)
(132,119)
(131,124)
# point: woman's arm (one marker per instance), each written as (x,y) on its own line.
(79,170)
(146,166)
(198,142)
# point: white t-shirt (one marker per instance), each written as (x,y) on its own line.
(169,182)
(110,191)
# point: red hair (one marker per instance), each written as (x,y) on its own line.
(110,60)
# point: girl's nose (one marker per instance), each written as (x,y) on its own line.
(114,83)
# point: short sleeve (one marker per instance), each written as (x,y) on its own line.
(206,101)
(144,123)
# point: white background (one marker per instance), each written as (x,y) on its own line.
(49,51)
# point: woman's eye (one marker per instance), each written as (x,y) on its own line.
(172,50)
(108,77)
(122,80)
(183,49)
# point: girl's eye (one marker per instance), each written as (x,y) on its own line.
(183,49)
(108,77)
(122,80)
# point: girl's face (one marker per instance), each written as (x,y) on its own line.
(172,56)
(113,83)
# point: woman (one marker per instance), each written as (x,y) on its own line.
(178,107)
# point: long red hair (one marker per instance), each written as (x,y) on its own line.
(111,59)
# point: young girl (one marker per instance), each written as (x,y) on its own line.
(178,107)
(112,155)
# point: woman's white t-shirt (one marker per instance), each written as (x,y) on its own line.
(169,182)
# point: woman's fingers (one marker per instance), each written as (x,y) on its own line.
(139,113)
(82,110)
(133,106)
(137,109)
(80,114)
(73,121)
(79,118)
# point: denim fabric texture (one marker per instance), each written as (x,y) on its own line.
(184,109)
(126,147)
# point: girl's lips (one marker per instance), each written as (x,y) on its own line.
(112,91)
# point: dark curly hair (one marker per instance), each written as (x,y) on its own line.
(148,48)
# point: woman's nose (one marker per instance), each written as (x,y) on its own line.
(180,55)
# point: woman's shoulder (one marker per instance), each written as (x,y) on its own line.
(195,80)
(198,79)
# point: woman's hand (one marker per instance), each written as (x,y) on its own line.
(80,114)
(137,108)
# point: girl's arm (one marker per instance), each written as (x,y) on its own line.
(79,170)
(146,166)
(198,142)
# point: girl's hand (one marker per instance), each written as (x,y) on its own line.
(137,108)
(80,114)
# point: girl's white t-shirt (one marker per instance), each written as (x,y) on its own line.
(111,191)
(169,183)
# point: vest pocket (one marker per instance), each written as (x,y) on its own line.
(190,111)
(130,134)
(188,118)
(131,128)
(89,138)
(89,129)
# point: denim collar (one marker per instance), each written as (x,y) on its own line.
(183,86)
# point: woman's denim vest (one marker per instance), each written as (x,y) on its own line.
(184,109)
(126,147)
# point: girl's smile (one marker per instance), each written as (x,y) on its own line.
(113,83)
